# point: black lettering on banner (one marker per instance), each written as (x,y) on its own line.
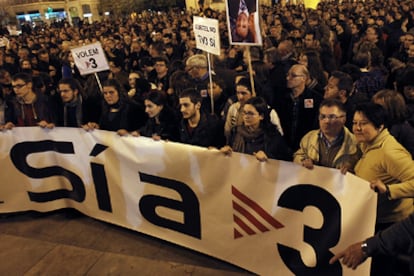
(100,181)
(93,62)
(189,206)
(212,42)
(203,40)
(297,198)
(18,155)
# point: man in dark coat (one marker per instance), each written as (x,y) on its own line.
(298,111)
(198,128)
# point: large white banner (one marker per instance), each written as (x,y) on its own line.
(272,218)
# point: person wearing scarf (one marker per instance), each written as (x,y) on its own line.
(70,113)
(257,135)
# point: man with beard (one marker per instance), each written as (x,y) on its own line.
(196,127)
(71,111)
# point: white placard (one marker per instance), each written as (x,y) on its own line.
(90,58)
(207,34)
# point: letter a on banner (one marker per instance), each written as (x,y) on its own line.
(90,58)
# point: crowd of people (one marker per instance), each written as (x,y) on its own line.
(332,87)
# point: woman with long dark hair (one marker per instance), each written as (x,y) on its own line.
(257,135)
(119,113)
(318,76)
(163,122)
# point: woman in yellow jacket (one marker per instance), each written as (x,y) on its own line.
(389,168)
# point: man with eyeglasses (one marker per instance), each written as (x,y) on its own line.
(332,145)
(27,108)
(298,110)
(161,79)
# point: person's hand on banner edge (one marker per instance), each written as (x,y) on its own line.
(352,256)
(90,126)
(122,132)
(307,163)
(135,133)
(227,150)
(44,124)
(378,186)
(260,155)
(156,137)
(344,168)
(7,126)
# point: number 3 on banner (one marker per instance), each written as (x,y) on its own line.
(297,198)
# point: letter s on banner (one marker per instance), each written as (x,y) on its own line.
(18,155)
(297,198)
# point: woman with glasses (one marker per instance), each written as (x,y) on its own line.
(257,135)
(389,168)
(244,92)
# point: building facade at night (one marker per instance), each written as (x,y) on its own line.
(48,11)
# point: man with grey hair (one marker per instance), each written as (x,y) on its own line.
(197,68)
(298,110)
